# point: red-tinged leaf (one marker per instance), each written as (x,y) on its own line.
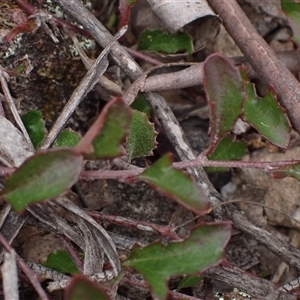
(124,9)
(292,170)
(104,139)
(80,288)
(267,116)
(224,90)
(142,137)
(43,176)
(176,184)
(201,250)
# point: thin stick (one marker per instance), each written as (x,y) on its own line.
(166,231)
(12,106)
(30,10)
(2,112)
(234,201)
(290,286)
(29,273)
(256,203)
(266,165)
(143,56)
(87,83)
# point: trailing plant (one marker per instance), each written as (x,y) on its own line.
(48,174)
(121,130)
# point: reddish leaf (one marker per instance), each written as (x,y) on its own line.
(104,139)
(224,89)
(124,9)
(80,288)
(43,176)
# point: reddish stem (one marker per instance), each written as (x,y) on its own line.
(268,166)
(31,10)
(143,56)
(29,273)
(166,231)
(6,171)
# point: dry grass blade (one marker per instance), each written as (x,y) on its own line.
(104,239)
(13,108)
(28,272)
(14,148)
(11,223)
(45,213)
(87,83)
(10,276)
(93,251)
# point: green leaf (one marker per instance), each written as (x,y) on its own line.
(43,176)
(176,184)
(292,170)
(35,126)
(224,89)
(105,137)
(80,288)
(189,281)
(226,149)
(159,41)
(292,10)
(142,137)
(267,117)
(201,250)
(142,105)
(60,261)
(67,138)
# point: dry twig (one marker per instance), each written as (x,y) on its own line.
(261,57)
